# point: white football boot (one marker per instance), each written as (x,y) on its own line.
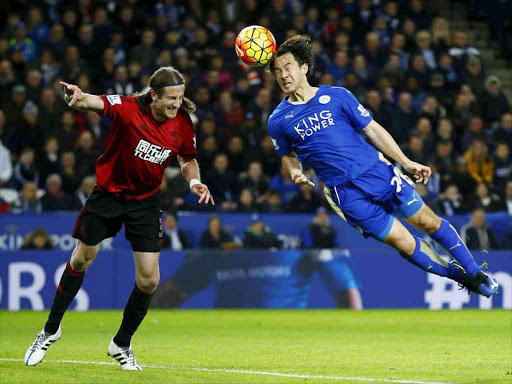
(124,356)
(37,351)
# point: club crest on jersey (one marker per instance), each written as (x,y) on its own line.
(324,99)
(151,152)
(311,124)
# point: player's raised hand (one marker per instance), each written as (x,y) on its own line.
(420,172)
(203,192)
(72,93)
(300,178)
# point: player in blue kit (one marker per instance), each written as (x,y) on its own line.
(323,127)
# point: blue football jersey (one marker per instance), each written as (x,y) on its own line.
(325,133)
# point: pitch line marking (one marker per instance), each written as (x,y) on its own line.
(264,373)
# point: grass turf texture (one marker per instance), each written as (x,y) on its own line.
(468,346)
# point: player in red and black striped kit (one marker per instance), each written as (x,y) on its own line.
(147,129)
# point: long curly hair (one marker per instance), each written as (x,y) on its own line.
(163,77)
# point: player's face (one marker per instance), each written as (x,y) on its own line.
(167,105)
(289,74)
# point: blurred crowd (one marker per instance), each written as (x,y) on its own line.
(421,79)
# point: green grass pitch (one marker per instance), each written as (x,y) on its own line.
(372,346)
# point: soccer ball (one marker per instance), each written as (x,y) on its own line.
(255,45)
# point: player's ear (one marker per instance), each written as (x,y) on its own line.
(153,94)
(304,69)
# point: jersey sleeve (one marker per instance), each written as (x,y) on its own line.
(114,106)
(358,115)
(189,145)
(281,144)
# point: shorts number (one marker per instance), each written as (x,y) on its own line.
(397,180)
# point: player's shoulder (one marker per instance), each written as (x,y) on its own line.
(279,112)
(185,119)
(121,99)
(341,92)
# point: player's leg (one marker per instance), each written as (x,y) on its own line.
(446,235)
(144,231)
(355,206)
(147,276)
(420,253)
(90,230)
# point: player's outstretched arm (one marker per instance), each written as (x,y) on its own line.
(385,142)
(292,164)
(190,171)
(75,98)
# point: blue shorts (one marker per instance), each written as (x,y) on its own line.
(371,200)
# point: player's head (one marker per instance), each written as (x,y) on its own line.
(165,93)
(293,63)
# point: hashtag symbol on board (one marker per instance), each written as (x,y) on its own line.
(444,291)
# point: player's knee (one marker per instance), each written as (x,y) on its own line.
(83,256)
(429,222)
(148,284)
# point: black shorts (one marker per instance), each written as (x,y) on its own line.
(104,213)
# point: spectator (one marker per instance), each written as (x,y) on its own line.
(461,51)
(445,160)
(339,67)
(306,201)
(489,202)
(272,203)
(284,184)
(70,177)
(320,234)
(476,233)
(246,202)
(450,202)
(380,112)
(476,130)
(174,238)
(146,51)
(508,197)
(474,75)
(258,235)
(28,201)
(502,166)
(462,178)
(215,237)
(255,181)
(423,41)
(86,152)
(55,199)
(38,240)
(79,198)
(25,169)
(222,182)
(504,132)
(67,133)
(50,111)
(494,102)
(480,164)
(404,117)
(441,36)
(5,156)
(237,156)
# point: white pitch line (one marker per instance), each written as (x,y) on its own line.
(249,372)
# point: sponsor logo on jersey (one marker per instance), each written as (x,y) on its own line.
(151,152)
(114,99)
(311,124)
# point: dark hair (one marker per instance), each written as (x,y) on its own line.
(162,78)
(301,49)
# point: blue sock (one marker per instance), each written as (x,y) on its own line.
(449,239)
(427,259)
